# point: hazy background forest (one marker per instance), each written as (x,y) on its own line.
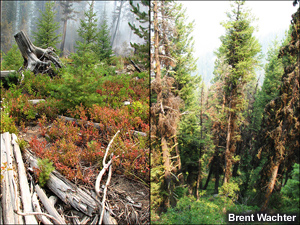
(24,15)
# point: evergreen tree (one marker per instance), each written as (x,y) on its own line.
(103,47)
(46,34)
(182,51)
(142,30)
(240,51)
(87,30)
(273,73)
(182,65)
(280,124)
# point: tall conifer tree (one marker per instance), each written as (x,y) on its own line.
(46,35)
(103,47)
(240,51)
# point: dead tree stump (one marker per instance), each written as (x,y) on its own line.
(36,59)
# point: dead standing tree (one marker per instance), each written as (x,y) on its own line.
(36,59)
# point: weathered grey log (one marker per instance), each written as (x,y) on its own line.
(70,194)
(36,101)
(48,205)
(36,59)
(25,192)
(6,73)
(37,208)
(8,213)
(65,118)
(13,187)
(139,133)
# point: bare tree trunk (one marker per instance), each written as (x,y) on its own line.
(217,175)
(271,185)
(209,174)
(201,146)
(62,47)
(227,152)
(118,23)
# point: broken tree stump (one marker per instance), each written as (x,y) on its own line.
(36,59)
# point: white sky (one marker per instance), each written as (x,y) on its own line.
(273,16)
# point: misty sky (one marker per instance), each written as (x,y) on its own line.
(273,16)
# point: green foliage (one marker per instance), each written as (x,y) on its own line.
(142,50)
(39,85)
(46,34)
(20,109)
(87,31)
(291,191)
(270,88)
(103,47)
(7,123)
(230,190)
(12,60)
(22,144)
(45,168)
(182,52)
(12,79)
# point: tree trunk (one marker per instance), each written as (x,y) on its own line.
(217,174)
(201,145)
(166,162)
(228,162)
(62,46)
(118,22)
(209,173)
(271,185)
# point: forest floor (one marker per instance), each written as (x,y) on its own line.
(128,199)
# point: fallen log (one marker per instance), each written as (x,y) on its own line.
(48,205)
(70,194)
(25,193)
(135,66)
(36,101)
(65,118)
(36,59)
(7,207)
(6,73)
(37,208)
(12,176)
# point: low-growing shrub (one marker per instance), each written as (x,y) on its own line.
(44,171)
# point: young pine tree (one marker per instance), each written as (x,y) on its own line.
(103,47)
(87,31)
(46,34)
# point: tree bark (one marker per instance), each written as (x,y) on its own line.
(209,173)
(271,185)
(166,162)
(62,46)
(228,163)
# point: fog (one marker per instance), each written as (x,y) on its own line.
(24,15)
